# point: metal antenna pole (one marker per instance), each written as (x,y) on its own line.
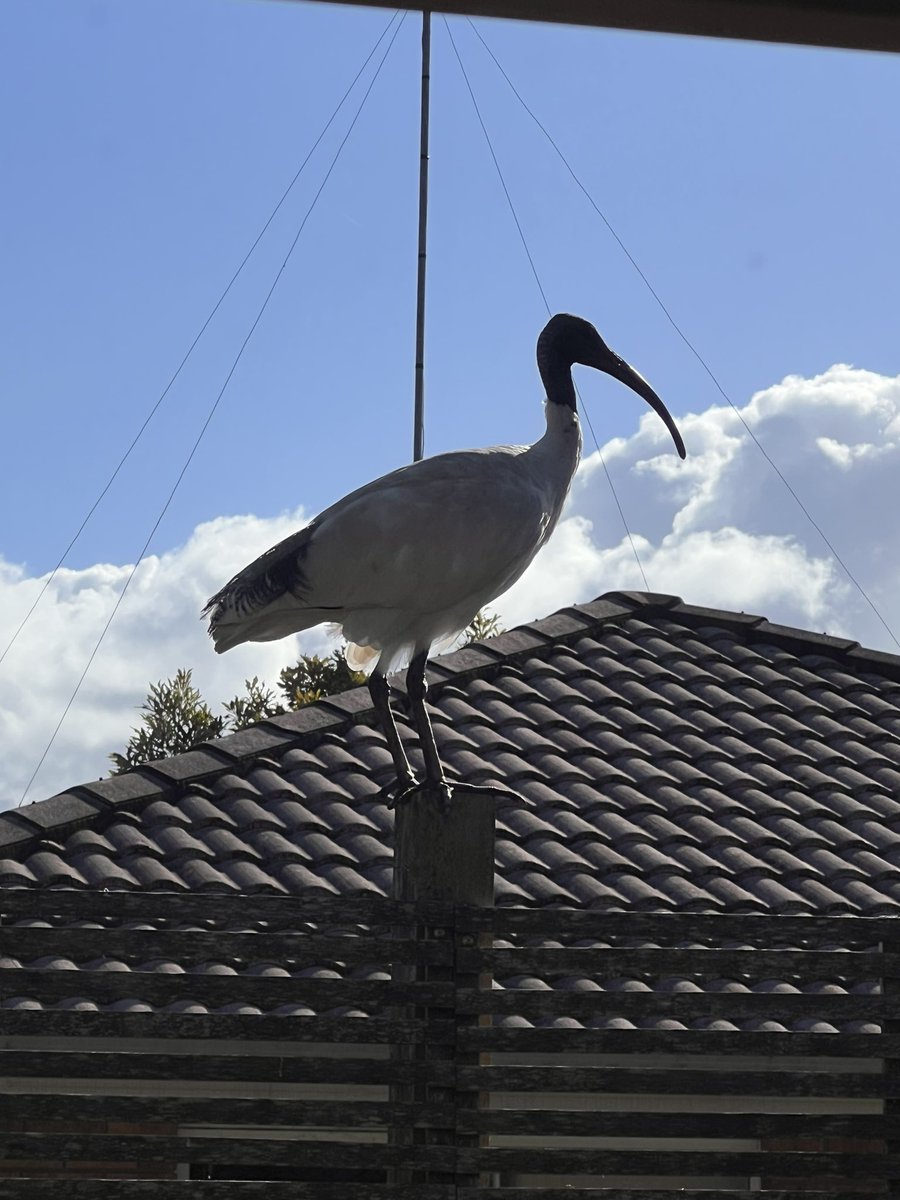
(419,411)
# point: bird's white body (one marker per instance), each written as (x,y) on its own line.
(408,560)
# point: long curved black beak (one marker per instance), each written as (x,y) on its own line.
(619,369)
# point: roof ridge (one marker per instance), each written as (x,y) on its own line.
(795,638)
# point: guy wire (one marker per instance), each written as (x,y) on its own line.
(49,580)
(540,286)
(210,415)
(691,347)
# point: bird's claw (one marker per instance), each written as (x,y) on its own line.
(443,792)
(399,792)
(407,791)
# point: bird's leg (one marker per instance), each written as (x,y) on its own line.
(435,781)
(380,691)
(417,690)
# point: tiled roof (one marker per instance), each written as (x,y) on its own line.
(669,757)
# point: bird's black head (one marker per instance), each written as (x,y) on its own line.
(566,340)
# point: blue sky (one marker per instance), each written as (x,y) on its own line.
(757,186)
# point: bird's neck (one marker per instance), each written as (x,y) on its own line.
(560,447)
(556,376)
(551,463)
(562,425)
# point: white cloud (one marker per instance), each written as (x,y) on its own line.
(722,529)
(719,530)
(847,456)
(156,631)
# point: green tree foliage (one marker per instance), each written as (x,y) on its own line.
(175,717)
(257,703)
(485,624)
(315,677)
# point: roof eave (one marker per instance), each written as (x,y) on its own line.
(865,25)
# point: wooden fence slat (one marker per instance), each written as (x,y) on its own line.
(725,1082)
(245,1151)
(768,929)
(29,942)
(38,1064)
(41,1024)
(546,1122)
(680,1163)
(173,1110)
(540,1040)
(45,1023)
(105,987)
(188,907)
(614,1193)
(778,1006)
(107,1189)
(143,945)
(892,1071)
(668,961)
(203,1189)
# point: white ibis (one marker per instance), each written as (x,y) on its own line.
(408,560)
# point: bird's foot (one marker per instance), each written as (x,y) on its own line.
(401,791)
(488,789)
(407,792)
(443,792)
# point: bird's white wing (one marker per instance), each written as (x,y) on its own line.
(419,550)
(429,535)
